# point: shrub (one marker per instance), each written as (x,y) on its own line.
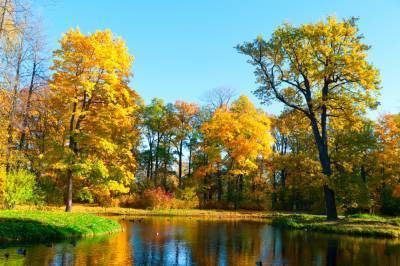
(84,195)
(19,188)
(129,201)
(157,198)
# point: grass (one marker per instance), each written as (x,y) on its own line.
(198,213)
(359,224)
(38,226)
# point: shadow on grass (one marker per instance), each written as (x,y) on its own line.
(27,230)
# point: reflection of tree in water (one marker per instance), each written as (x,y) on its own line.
(331,253)
(306,248)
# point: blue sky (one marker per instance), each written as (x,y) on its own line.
(184,48)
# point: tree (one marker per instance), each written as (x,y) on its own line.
(153,124)
(320,70)
(293,161)
(218,97)
(236,137)
(386,164)
(185,114)
(37,80)
(96,107)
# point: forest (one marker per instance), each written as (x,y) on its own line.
(73,130)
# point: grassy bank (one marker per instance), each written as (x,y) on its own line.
(117,211)
(360,224)
(32,225)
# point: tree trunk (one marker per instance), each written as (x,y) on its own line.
(3,16)
(190,159)
(27,109)
(330,203)
(273,195)
(10,128)
(156,159)
(150,174)
(180,163)
(165,170)
(219,185)
(72,146)
(322,145)
(68,207)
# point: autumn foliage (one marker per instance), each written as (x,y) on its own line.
(78,132)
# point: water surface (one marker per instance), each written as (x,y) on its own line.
(184,241)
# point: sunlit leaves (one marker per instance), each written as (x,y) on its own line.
(97,108)
(240,134)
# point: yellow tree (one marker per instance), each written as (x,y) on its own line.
(320,70)
(240,134)
(91,97)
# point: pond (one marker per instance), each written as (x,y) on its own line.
(184,241)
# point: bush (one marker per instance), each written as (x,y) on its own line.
(20,187)
(157,198)
(128,201)
(84,195)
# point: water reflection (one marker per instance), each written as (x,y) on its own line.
(180,241)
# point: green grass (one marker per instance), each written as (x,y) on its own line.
(360,224)
(32,225)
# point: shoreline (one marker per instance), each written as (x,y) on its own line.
(353,225)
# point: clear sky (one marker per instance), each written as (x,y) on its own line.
(184,48)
